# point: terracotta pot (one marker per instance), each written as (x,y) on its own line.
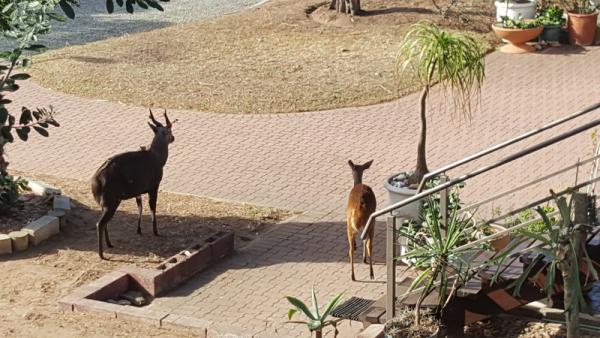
(582,28)
(517,38)
(501,242)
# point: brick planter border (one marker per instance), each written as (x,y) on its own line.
(42,228)
(152,282)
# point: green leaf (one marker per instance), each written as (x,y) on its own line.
(315,325)
(5,132)
(110,6)
(331,306)
(129,6)
(25,62)
(155,5)
(37,48)
(21,76)
(41,131)
(67,9)
(142,4)
(23,133)
(120,3)
(25,116)
(301,307)
(53,122)
(291,313)
(315,304)
(3,115)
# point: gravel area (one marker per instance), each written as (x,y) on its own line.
(93,23)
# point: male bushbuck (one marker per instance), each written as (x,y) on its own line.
(130,175)
(361,204)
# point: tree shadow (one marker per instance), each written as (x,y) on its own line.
(391,10)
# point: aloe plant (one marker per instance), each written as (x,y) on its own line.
(560,251)
(316,321)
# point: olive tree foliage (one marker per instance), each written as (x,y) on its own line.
(21,22)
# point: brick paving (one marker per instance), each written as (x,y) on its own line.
(298,162)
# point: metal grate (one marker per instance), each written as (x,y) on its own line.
(352,308)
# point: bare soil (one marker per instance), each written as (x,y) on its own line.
(33,281)
(285,56)
(27,210)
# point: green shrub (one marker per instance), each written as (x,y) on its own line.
(9,192)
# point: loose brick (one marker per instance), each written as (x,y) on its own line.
(372,331)
(43,189)
(5,244)
(61,214)
(42,229)
(20,240)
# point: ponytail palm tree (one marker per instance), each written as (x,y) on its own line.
(453,60)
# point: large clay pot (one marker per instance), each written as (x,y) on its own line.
(517,38)
(582,28)
(515,11)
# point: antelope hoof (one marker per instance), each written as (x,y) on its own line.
(372,276)
(156,234)
(101,256)
(353,279)
(365,259)
(139,232)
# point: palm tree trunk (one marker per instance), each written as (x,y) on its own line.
(318,334)
(422,169)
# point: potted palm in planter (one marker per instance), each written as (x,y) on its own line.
(432,55)
(515,9)
(517,33)
(552,19)
(582,18)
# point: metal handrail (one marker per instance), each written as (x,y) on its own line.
(480,171)
(504,144)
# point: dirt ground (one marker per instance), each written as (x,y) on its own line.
(285,56)
(33,281)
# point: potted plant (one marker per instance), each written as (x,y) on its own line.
(403,325)
(432,55)
(582,18)
(441,261)
(517,33)
(552,19)
(515,9)
(316,321)
(498,243)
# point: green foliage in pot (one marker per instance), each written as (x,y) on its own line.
(316,321)
(438,255)
(9,192)
(551,16)
(454,61)
(403,325)
(518,23)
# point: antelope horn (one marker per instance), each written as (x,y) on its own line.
(169,124)
(156,123)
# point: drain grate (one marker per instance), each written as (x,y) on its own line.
(352,308)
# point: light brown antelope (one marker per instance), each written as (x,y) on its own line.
(129,175)
(361,204)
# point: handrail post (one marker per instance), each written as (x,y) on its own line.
(444,202)
(390,262)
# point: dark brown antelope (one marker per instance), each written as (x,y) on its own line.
(130,175)
(361,204)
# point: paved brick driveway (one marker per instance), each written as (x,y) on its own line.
(298,161)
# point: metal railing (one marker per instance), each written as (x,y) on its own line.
(445,185)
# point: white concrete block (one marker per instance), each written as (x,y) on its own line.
(5,244)
(61,203)
(42,229)
(42,189)
(20,240)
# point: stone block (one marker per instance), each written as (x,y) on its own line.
(5,244)
(42,229)
(43,189)
(61,214)
(20,240)
(372,331)
(62,203)
(221,245)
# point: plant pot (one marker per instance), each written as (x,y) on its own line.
(515,10)
(499,243)
(410,211)
(551,33)
(582,28)
(517,38)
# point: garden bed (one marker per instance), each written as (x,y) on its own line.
(285,56)
(33,281)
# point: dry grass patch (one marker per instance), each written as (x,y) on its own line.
(273,59)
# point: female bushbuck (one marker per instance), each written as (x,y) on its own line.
(130,175)
(361,204)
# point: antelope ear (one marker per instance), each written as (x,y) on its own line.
(351,164)
(367,165)
(153,127)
